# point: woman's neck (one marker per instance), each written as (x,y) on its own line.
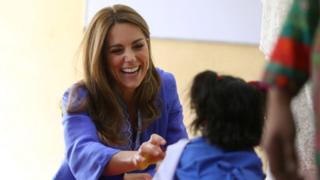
(132,110)
(128,98)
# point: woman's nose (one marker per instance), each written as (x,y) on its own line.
(129,56)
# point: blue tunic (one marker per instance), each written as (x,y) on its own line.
(200,160)
(85,155)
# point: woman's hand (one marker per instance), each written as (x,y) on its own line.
(150,152)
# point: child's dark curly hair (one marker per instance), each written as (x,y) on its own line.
(229,111)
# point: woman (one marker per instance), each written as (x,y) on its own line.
(124,112)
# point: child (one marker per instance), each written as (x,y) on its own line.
(230,117)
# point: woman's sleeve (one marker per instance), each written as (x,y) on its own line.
(289,67)
(85,154)
(176,127)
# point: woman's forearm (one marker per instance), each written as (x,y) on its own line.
(120,163)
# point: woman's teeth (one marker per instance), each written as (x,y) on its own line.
(130,70)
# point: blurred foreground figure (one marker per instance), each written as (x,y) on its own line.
(294,60)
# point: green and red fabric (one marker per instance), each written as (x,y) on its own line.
(296,56)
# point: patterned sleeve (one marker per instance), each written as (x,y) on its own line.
(289,67)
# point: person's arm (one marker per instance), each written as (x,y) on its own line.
(85,154)
(149,152)
(279,139)
(287,71)
(120,163)
(88,158)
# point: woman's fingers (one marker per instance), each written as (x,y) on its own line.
(150,152)
(157,140)
(152,148)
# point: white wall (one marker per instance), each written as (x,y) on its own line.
(232,21)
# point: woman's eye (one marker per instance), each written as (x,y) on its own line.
(138,46)
(116,51)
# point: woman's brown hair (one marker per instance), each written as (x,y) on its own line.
(102,102)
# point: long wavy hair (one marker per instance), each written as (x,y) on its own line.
(229,111)
(102,102)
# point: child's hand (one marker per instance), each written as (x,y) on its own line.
(150,152)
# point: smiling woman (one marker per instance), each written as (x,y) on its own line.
(117,118)
(128,57)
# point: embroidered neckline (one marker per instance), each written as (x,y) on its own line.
(133,144)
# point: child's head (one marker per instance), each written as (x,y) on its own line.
(229,111)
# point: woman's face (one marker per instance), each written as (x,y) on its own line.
(128,56)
